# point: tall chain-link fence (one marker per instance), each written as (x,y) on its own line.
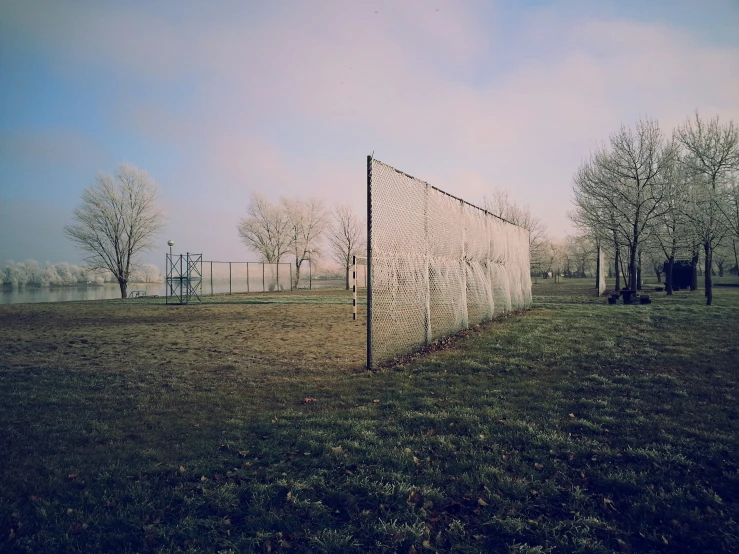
(437,264)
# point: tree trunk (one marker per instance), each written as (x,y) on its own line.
(123,283)
(297,275)
(659,276)
(694,272)
(720,268)
(347,276)
(632,268)
(708,278)
(668,276)
(618,270)
(638,273)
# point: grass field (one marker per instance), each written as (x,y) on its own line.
(247,424)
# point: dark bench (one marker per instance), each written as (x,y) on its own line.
(136,293)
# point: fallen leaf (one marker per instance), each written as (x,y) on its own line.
(664,540)
(539,466)
(203,478)
(182,469)
(375,401)
(481,502)
(336,449)
(308,400)
(571,415)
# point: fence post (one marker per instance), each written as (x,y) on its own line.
(211,278)
(369,262)
(354,288)
(229,277)
(263,288)
(427,311)
(277,285)
(247,277)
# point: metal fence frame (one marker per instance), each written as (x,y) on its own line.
(253,264)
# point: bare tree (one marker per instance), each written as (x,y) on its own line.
(501,205)
(307,220)
(730,211)
(712,158)
(266,228)
(723,256)
(625,182)
(346,235)
(583,253)
(117,220)
(671,233)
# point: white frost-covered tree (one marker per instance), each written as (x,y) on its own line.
(265,229)
(117,220)
(307,221)
(347,238)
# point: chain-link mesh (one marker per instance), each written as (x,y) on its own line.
(241,277)
(437,264)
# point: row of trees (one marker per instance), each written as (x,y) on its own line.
(30,272)
(306,230)
(643,192)
(576,256)
(300,229)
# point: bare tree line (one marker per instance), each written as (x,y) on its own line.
(297,227)
(645,195)
(32,273)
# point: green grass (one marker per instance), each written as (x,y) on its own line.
(576,427)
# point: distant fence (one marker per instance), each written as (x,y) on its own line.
(239,277)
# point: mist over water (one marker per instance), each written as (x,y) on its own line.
(32,294)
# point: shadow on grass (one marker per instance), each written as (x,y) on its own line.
(576,427)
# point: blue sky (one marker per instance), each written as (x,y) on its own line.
(217,99)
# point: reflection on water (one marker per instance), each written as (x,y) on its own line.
(14,295)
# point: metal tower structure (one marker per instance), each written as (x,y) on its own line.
(184,278)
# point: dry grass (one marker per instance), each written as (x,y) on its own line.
(269,335)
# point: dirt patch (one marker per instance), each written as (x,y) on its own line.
(255,340)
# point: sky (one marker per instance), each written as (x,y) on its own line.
(286,97)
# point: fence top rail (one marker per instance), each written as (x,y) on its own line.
(471,205)
(259,263)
